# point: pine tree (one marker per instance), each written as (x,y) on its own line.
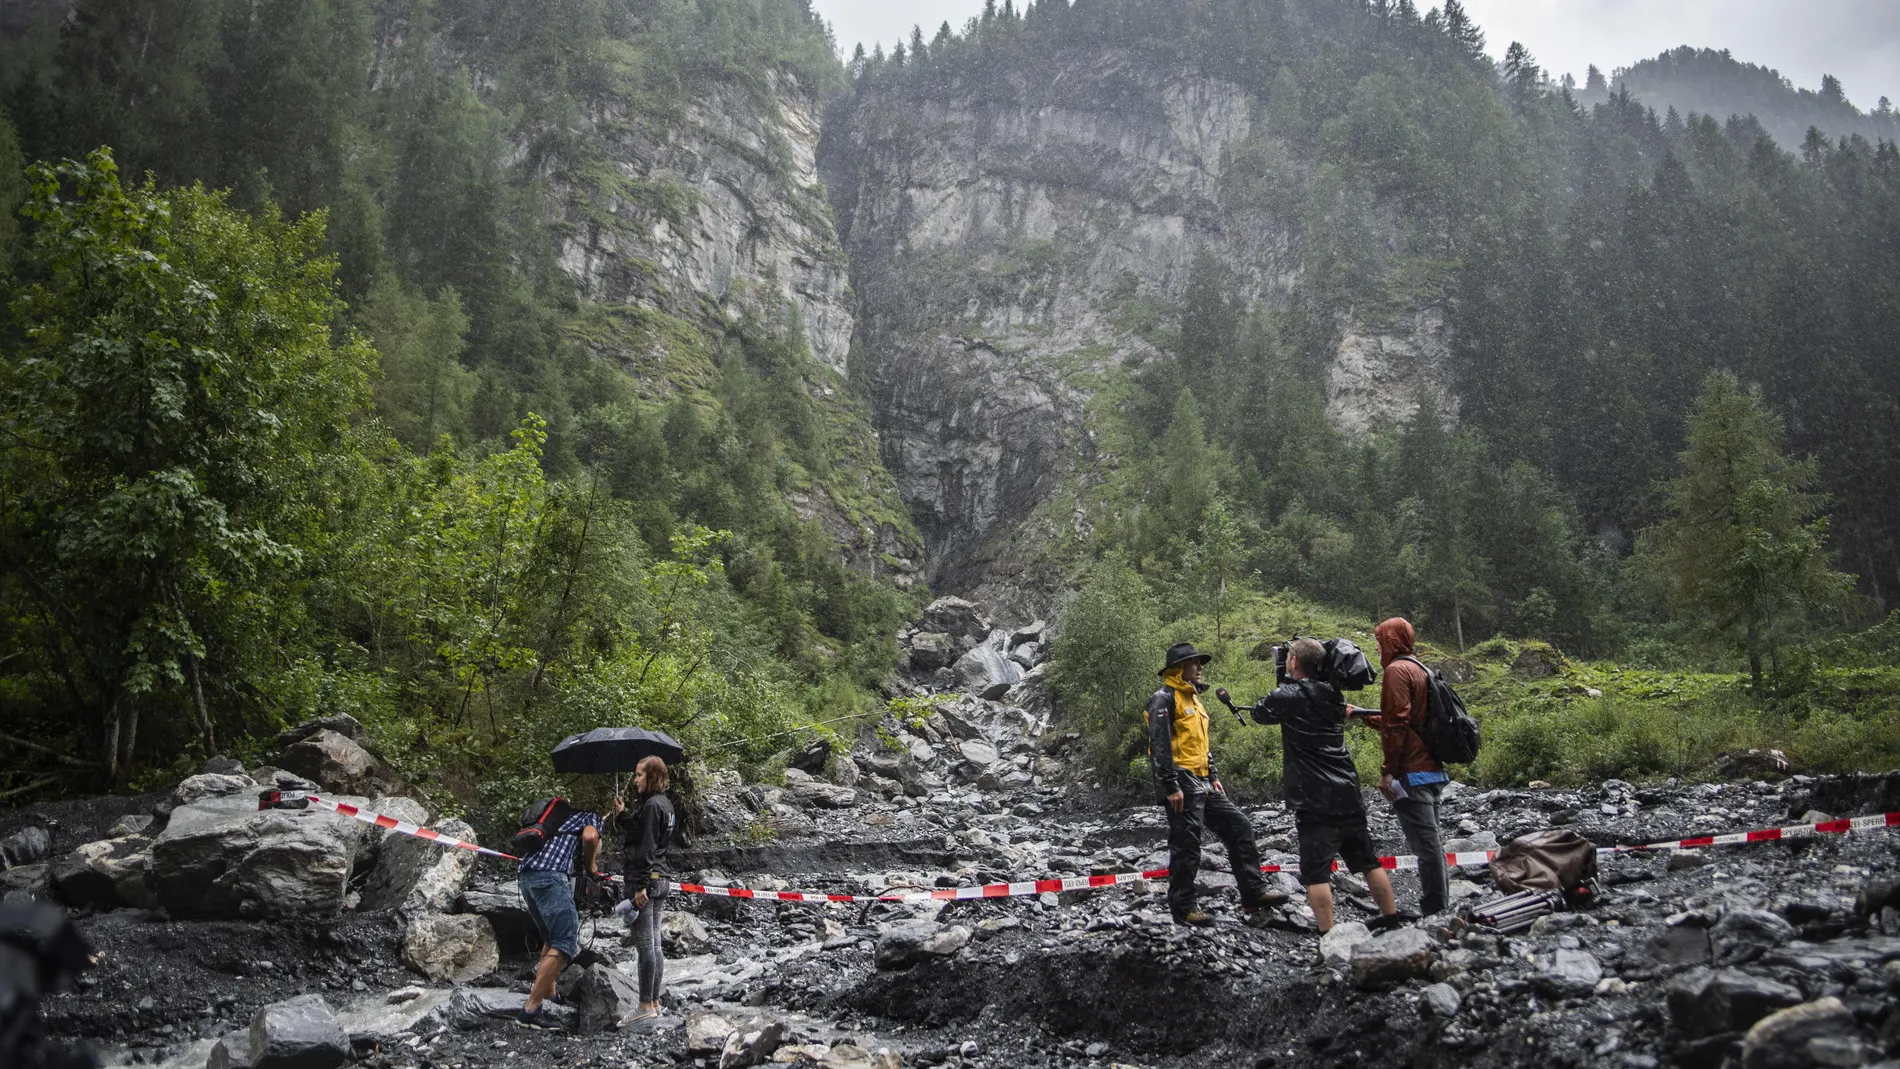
(1742,547)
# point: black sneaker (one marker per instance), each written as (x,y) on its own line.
(1391,920)
(541,1020)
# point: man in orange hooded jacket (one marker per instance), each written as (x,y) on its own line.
(1409,777)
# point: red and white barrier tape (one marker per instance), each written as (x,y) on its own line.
(1085,883)
(1089,883)
(403,827)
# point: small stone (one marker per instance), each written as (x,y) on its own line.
(1570,974)
(403,994)
(1440,1000)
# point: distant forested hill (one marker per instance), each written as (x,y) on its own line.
(1705,81)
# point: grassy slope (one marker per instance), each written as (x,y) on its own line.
(1587,721)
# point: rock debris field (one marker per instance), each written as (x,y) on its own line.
(226,937)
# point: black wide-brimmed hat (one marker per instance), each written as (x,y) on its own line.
(1183,651)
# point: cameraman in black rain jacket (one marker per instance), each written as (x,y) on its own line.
(1322,784)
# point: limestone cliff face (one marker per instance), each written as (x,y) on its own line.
(721,205)
(716,216)
(1009,241)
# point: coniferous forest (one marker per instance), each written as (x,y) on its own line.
(302,410)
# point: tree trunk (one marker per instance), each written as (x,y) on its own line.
(128,741)
(198,703)
(1458,622)
(1754,653)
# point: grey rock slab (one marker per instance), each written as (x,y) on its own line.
(1570,973)
(223,858)
(1819,1033)
(955,616)
(231,1051)
(1704,1002)
(1742,935)
(603,996)
(456,947)
(987,672)
(1391,958)
(906,943)
(415,876)
(298,1033)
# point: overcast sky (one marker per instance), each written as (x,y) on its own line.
(1857,41)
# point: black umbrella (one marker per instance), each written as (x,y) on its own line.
(614,750)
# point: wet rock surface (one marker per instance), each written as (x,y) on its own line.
(1769,954)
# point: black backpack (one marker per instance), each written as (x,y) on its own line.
(540,823)
(1346,667)
(1450,734)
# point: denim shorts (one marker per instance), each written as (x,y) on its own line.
(550,900)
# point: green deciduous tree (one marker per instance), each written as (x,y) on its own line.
(1102,667)
(174,414)
(1742,547)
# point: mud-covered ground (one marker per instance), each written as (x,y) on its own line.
(1102,978)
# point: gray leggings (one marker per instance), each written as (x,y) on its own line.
(646,943)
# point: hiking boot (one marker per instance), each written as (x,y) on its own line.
(540,1020)
(1271,898)
(1195,918)
(1391,920)
(1257,917)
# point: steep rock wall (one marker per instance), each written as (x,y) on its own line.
(1004,240)
(717,216)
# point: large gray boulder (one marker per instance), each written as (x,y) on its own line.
(300,1033)
(455,947)
(223,858)
(812,791)
(1704,1002)
(28,846)
(899,946)
(603,996)
(684,934)
(1395,957)
(107,874)
(416,877)
(986,671)
(1742,935)
(507,914)
(956,617)
(339,763)
(752,1044)
(931,650)
(1569,974)
(232,1051)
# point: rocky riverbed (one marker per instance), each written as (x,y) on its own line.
(226,937)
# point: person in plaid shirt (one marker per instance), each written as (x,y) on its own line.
(546,881)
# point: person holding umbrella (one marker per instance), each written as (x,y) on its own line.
(646,833)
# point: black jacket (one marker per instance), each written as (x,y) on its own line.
(1319,778)
(646,833)
(1160,712)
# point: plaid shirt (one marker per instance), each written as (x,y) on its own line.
(558,855)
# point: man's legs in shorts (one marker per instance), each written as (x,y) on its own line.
(550,903)
(1347,839)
